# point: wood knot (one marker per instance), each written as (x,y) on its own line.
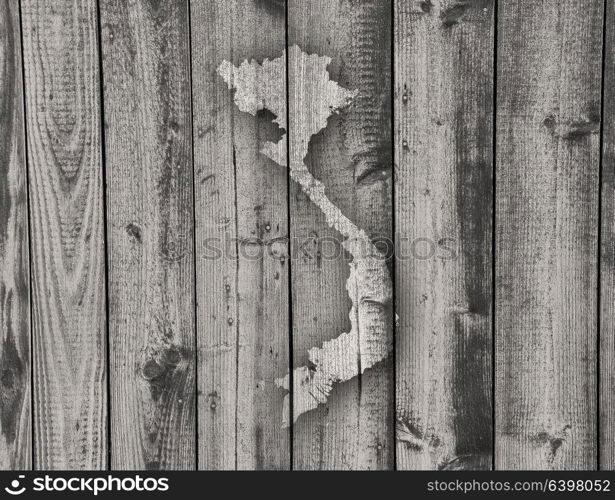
(158,365)
(152,369)
(552,441)
(134,232)
(213,400)
(572,129)
(410,434)
(452,15)
(467,462)
(426,6)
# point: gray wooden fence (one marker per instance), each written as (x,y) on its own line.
(173,295)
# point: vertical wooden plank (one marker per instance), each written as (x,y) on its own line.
(146,75)
(15,416)
(548,122)
(607,258)
(241,244)
(66,229)
(443,89)
(352,158)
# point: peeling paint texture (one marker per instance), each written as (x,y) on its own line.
(369,284)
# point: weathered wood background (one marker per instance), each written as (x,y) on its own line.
(160,276)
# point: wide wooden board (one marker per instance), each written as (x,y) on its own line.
(548,149)
(241,245)
(444,69)
(148,134)
(63,122)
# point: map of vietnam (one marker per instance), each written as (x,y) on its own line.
(369,285)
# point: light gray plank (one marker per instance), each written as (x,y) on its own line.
(66,230)
(15,408)
(241,245)
(548,122)
(146,70)
(444,67)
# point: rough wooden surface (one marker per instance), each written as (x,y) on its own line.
(146,71)
(607,258)
(444,65)
(548,121)
(183,160)
(15,413)
(241,245)
(60,57)
(352,157)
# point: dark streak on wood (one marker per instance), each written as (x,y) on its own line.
(8,101)
(12,377)
(471,399)
(15,428)
(443,145)
(472,362)
(276,7)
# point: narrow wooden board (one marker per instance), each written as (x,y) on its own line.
(60,57)
(607,258)
(241,245)
(15,413)
(444,68)
(146,75)
(352,157)
(548,143)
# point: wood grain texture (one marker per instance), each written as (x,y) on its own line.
(224,265)
(352,157)
(15,407)
(241,245)
(607,257)
(60,56)
(548,121)
(146,63)
(444,65)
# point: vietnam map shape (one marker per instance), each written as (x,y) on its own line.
(369,285)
